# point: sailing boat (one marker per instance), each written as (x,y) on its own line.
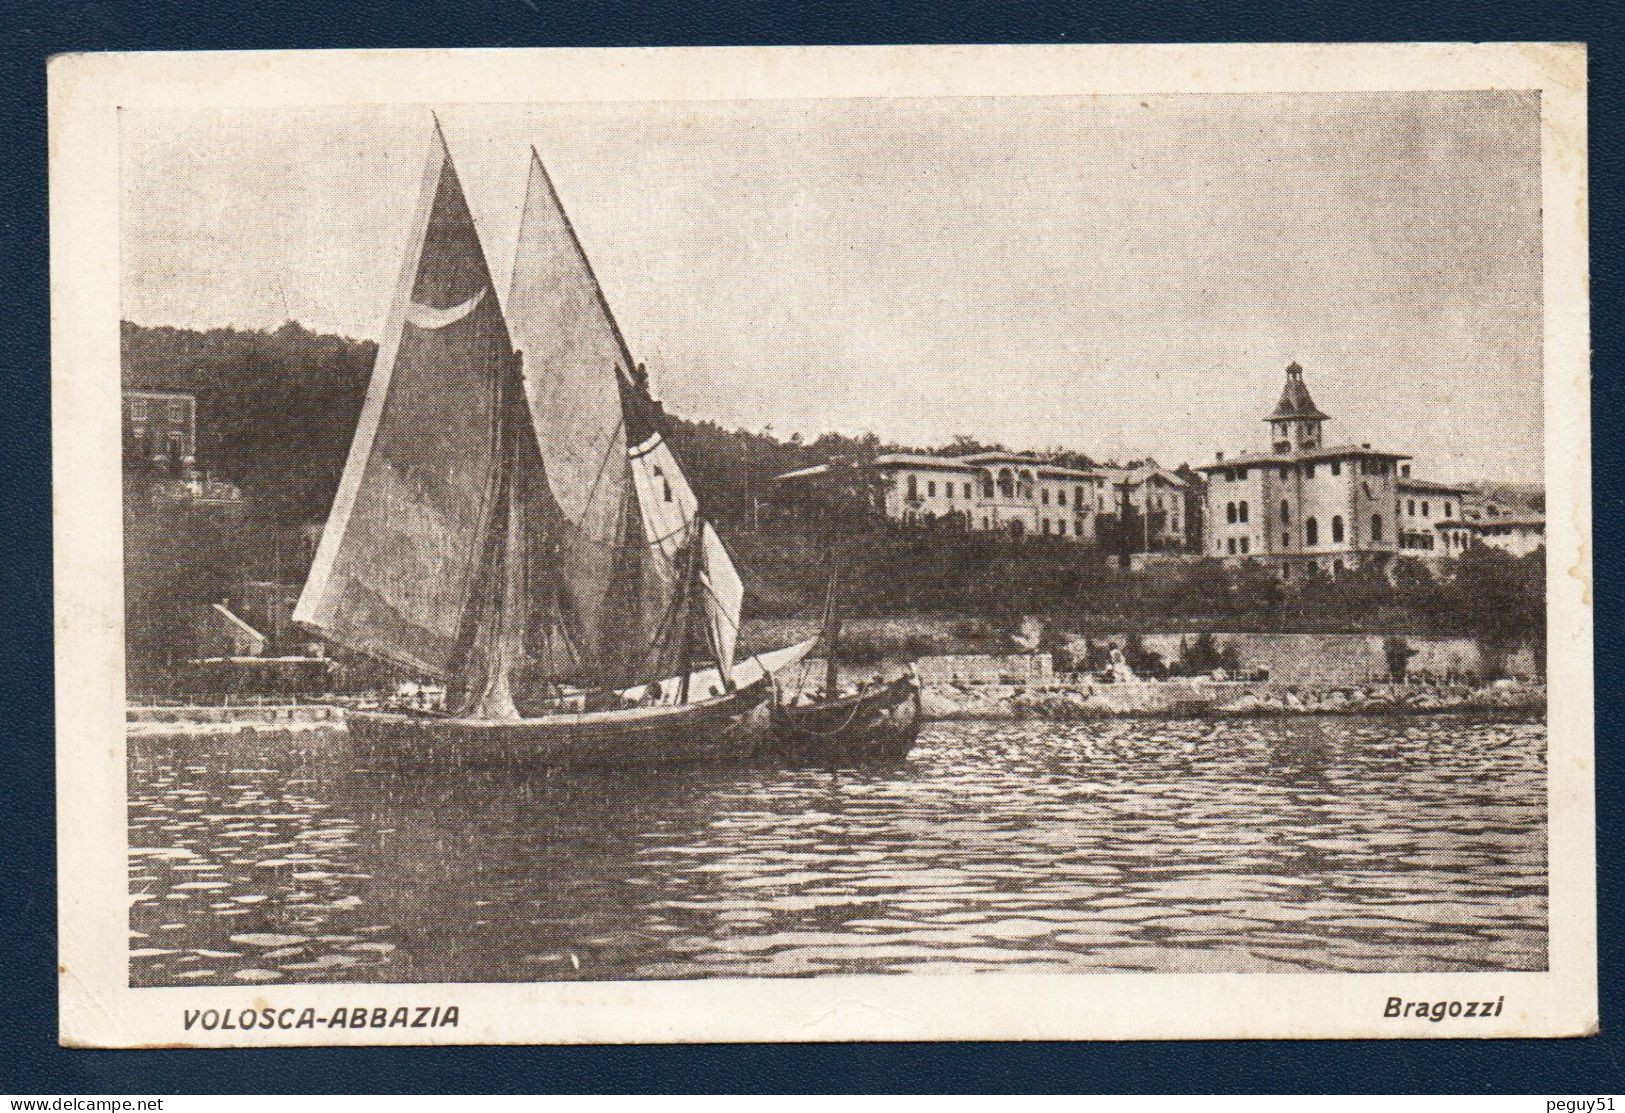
(511,519)
(877,722)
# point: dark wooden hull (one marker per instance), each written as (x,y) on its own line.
(874,726)
(729,729)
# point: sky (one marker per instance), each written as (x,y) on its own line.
(1119,276)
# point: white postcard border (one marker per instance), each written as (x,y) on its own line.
(98,1007)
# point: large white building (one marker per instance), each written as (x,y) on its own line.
(1016,493)
(1029,496)
(1306,506)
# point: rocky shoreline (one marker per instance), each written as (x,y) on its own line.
(1191,699)
(949,702)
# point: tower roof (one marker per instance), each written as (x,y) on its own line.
(1295,402)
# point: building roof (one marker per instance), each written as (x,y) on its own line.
(920,460)
(1408,484)
(1025,459)
(1526,521)
(1140,473)
(225,612)
(159,395)
(1057,471)
(803,473)
(1295,402)
(979,461)
(1310,455)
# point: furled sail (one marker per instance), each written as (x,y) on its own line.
(401,553)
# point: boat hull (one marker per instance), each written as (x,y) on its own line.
(729,729)
(875,726)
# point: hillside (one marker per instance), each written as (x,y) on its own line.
(277,410)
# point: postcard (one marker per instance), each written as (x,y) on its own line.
(880,543)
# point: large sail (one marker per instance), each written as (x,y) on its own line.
(571,347)
(401,553)
(627,515)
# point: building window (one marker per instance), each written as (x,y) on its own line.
(1044,496)
(1045,527)
(177,410)
(1337,529)
(1243,546)
(1425,510)
(1101,500)
(1309,471)
(987,486)
(1447,510)
(1314,566)
(1230,545)
(1376,527)
(1060,498)
(1230,512)
(967,490)
(1286,513)
(1311,532)
(138,409)
(1410,507)
(1337,467)
(1241,512)
(176,448)
(984,521)
(1286,540)
(1077,496)
(1007,483)
(1337,568)
(1284,474)
(913,486)
(931,488)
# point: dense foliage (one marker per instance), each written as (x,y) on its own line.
(276,411)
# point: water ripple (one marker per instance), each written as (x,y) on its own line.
(1272,845)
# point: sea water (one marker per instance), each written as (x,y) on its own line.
(1286,844)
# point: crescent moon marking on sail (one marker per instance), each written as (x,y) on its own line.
(428,317)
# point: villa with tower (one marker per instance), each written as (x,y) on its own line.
(1305,506)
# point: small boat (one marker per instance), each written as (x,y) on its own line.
(511,521)
(876,723)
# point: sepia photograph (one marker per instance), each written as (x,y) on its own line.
(875,541)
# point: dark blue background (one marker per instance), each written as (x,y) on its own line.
(30,1062)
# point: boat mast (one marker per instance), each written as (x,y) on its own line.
(691,580)
(831,633)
